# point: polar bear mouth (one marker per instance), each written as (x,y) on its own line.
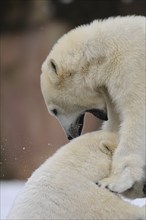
(76,127)
(101,114)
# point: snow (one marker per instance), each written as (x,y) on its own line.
(8,192)
(10,189)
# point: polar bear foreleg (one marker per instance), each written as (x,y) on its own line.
(129,158)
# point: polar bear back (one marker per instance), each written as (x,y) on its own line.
(64,187)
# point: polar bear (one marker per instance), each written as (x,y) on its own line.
(100,68)
(64,187)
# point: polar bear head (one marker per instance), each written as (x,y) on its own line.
(68,83)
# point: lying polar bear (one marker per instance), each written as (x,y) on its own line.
(64,187)
(100,68)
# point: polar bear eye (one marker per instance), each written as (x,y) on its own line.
(54,111)
(53,66)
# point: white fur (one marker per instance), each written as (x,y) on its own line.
(102,65)
(64,187)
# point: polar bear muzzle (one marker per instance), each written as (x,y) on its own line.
(76,127)
(144,189)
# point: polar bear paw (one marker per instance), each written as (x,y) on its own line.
(116,184)
(122,180)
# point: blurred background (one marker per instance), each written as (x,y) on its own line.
(29,28)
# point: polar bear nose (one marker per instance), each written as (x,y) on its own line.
(69,137)
(75,128)
(144,189)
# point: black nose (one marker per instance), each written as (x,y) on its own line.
(69,138)
(144,189)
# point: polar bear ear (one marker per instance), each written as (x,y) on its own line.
(53,66)
(53,71)
(107,147)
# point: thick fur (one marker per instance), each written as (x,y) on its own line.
(64,187)
(102,66)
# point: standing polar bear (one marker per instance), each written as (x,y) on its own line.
(64,187)
(100,68)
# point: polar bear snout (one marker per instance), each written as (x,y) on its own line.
(144,189)
(75,128)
